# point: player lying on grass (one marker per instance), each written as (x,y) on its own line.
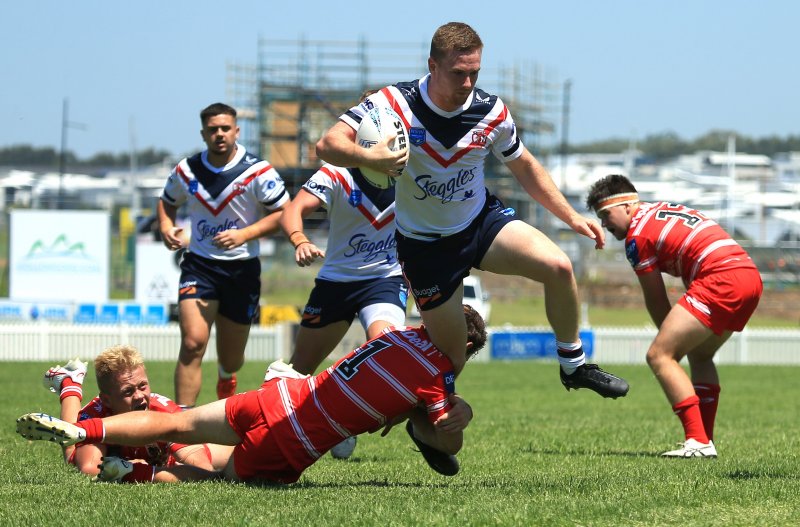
(723,287)
(285,426)
(125,388)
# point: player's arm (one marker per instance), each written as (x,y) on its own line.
(170,233)
(457,418)
(338,147)
(87,458)
(232,238)
(655,296)
(303,204)
(537,182)
(433,436)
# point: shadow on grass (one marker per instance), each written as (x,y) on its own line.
(346,484)
(586,452)
(745,475)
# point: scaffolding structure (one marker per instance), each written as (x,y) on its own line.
(299,88)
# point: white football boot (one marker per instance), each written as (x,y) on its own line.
(693,448)
(43,427)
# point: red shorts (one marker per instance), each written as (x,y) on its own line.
(258,456)
(724,300)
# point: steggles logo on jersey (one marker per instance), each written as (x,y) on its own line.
(360,245)
(447,190)
(206,230)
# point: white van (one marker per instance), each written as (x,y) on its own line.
(474,296)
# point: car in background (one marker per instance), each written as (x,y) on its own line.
(474,296)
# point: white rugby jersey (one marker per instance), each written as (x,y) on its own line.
(361,242)
(218,199)
(442,189)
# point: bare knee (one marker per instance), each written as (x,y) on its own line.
(193,346)
(560,269)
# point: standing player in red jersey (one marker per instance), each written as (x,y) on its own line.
(124,387)
(723,287)
(285,426)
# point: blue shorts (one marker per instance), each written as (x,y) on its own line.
(435,268)
(331,302)
(236,284)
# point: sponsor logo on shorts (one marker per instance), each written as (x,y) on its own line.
(312,315)
(425,296)
(449,189)
(187,288)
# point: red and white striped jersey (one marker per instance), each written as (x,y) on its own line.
(680,241)
(386,377)
(159,453)
(442,188)
(219,199)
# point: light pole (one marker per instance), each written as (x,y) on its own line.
(62,158)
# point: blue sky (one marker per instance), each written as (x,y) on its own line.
(636,67)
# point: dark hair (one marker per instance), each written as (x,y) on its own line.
(476,330)
(217,108)
(454,36)
(608,186)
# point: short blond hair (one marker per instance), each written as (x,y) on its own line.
(114,360)
(454,36)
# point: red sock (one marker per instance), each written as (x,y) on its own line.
(70,388)
(709,400)
(142,473)
(688,411)
(95,431)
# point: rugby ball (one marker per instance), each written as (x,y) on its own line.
(378,123)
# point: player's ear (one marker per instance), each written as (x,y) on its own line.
(431,64)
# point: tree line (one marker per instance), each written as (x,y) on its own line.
(659,147)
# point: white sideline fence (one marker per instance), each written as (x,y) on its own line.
(42,341)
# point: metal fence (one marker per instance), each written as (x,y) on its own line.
(42,341)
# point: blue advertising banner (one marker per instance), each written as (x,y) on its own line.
(513,345)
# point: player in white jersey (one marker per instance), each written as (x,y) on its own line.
(447,222)
(232,198)
(360,275)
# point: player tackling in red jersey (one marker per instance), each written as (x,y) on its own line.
(285,426)
(723,287)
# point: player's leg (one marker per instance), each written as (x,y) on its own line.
(313,344)
(231,343)
(705,378)
(681,332)
(195,316)
(447,328)
(383,304)
(520,249)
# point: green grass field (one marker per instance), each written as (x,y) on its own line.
(534,455)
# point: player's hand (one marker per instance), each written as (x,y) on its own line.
(589,228)
(379,157)
(173,238)
(306,253)
(457,418)
(230,239)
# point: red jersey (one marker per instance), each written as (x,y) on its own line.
(160,453)
(680,241)
(388,376)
